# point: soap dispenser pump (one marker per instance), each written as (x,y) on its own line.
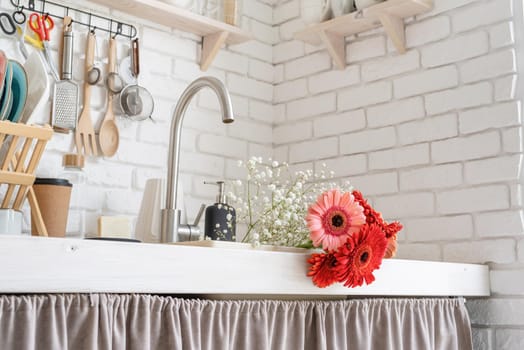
(220,217)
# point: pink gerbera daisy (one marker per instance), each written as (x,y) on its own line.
(333,218)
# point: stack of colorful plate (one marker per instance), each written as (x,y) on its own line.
(13,89)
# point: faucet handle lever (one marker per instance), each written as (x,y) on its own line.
(199,215)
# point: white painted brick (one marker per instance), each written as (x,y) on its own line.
(428,129)
(255,49)
(334,79)
(505,88)
(288,29)
(494,116)
(233,171)
(290,90)
(168,43)
(365,95)
(390,66)
(261,70)
(509,339)
(520,249)
(498,169)
(258,11)
(364,49)
(257,150)
(251,131)
(339,123)
(511,140)
(230,61)
(406,205)
(440,176)
(433,29)
(442,228)
(163,87)
(311,106)
(287,51)
(249,87)
(307,65)
(205,120)
(419,251)
(503,223)
(497,312)
(286,11)
(313,150)
(502,35)
(203,164)
(482,14)
(516,195)
(399,157)
(110,175)
(376,184)
(222,146)
(279,113)
(278,75)
(482,338)
(141,153)
(289,133)
(395,112)
(490,66)
(156,62)
(426,81)
(262,32)
(501,251)
(345,166)
(123,201)
(463,97)
(261,111)
(441,6)
(368,140)
(465,148)
(455,49)
(157,133)
(473,199)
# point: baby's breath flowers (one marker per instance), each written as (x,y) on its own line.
(273,201)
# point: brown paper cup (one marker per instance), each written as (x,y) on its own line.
(53,196)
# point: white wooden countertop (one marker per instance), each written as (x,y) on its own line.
(59,265)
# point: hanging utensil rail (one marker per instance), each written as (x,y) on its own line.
(113,26)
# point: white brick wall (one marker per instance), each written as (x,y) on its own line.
(433,137)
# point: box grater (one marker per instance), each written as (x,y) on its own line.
(65,98)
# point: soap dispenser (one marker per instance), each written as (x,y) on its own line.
(220,217)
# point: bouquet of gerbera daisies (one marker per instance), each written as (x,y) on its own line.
(355,238)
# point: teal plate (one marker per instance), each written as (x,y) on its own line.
(18,91)
(6,100)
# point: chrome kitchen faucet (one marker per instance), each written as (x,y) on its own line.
(170,228)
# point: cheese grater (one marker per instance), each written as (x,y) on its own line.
(65,99)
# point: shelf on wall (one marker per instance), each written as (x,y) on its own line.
(389,14)
(214,33)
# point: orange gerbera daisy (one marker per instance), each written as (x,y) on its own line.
(323,269)
(361,255)
(333,218)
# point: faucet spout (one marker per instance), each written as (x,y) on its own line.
(171,215)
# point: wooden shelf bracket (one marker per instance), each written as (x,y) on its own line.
(211,43)
(336,46)
(394,27)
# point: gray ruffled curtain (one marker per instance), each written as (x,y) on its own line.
(142,322)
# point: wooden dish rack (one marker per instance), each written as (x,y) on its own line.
(18,166)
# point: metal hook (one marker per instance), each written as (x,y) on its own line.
(118,30)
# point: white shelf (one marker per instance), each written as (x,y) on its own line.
(59,265)
(389,14)
(214,33)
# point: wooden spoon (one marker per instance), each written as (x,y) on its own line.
(108,136)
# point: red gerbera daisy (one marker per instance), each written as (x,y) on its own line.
(361,255)
(323,269)
(372,216)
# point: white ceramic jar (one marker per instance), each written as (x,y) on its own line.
(341,7)
(315,11)
(362,4)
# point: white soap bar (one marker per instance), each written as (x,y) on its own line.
(114,226)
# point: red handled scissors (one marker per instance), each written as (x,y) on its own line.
(41,25)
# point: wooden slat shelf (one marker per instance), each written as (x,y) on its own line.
(214,33)
(389,14)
